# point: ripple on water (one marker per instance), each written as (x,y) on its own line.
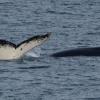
(73,23)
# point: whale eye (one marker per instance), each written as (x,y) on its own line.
(21,49)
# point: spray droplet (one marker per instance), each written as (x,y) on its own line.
(36,52)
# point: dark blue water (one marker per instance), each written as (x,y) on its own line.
(73,23)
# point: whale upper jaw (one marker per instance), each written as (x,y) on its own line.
(10,51)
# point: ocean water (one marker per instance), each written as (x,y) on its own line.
(74,24)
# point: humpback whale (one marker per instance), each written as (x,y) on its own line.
(92,51)
(9,50)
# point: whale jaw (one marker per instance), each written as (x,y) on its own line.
(7,52)
(10,51)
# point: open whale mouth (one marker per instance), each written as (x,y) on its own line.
(10,51)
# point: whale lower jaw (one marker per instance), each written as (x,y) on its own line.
(8,53)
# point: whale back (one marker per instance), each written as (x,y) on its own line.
(92,51)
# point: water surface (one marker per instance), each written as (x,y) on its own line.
(73,23)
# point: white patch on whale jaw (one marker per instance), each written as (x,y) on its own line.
(10,51)
(7,52)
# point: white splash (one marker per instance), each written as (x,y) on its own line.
(36,52)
